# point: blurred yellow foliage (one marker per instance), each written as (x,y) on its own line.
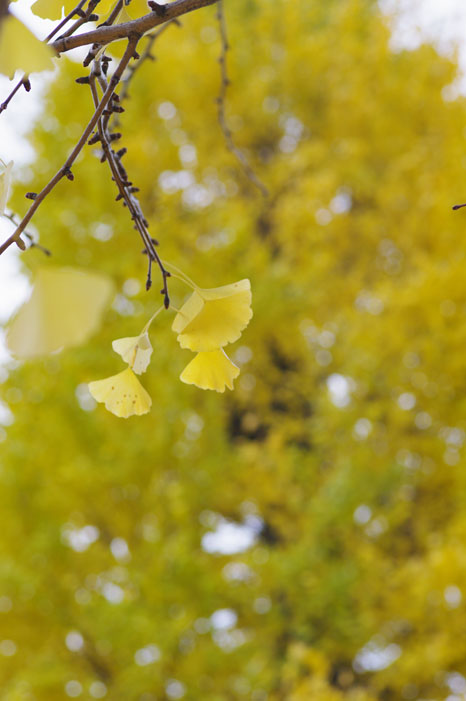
(302,537)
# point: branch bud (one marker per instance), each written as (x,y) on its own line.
(158,9)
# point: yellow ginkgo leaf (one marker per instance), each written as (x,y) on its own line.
(20,49)
(122,394)
(135,350)
(5,182)
(138,8)
(64,309)
(210,370)
(212,318)
(52,9)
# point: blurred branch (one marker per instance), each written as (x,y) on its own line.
(3,9)
(65,170)
(145,56)
(30,237)
(104,34)
(237,152)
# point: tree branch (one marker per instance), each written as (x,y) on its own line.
(75,11)
(104,35)
(225,81)
(125,189)
(22,81)
(65,170)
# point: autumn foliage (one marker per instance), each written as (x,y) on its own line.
(337,462)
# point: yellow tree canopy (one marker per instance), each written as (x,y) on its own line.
(302,537)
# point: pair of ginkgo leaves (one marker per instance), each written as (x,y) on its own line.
(66,305)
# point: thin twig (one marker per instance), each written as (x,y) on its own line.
(34,244)
(88,16)
(65,170)
(111,19)
(64,21)
(113,15)
(104,35)
(27,86)
(125,189)
(25,79)
(231,146)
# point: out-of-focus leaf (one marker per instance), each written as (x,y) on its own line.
(21,50)
(64,309)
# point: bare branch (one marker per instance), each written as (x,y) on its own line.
(231,146)
(124,185)
(113,14)
(84,17)
(104,35)
(65,170)
(32,241)
(65,20)
(27,86)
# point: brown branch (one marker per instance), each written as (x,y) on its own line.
(125,189)
(65,170)
(3,9)
(33,243)
(65,20)
(27,86)
(88,16)
(104,35)
(76,10)
(231,146)
(113,14)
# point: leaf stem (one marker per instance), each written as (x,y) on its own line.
(146,327)
(180,275)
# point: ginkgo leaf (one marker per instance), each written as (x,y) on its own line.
(135,350)
(210,370)
(138,8)
(52,9)
(122,394)
(5,181)
(214,317)
(20,49)
(64,309)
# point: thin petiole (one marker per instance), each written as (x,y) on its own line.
(181,275)
(146,327)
